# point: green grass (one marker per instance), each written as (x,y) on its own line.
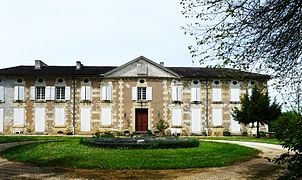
(242,138)
(69,153)
(18,138)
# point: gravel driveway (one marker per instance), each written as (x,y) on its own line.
(258,168)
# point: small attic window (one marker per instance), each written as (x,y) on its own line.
(141,81)
(40,80)
(216,82)
(252,82)
(60,80)
(234,83)
(0,80)
(195,82)
(86,80)
(19,80)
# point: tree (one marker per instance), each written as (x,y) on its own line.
(256,108)
(288,130)
(261,35)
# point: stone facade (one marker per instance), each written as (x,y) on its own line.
(156,84)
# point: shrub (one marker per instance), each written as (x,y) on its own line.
(244,133)
(204,133)
(288,130)
(148,143)
(162,126)
(262,133)
(226,133)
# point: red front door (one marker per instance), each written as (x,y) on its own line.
(141,119)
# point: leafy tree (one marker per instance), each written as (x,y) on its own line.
(248,34)
(288,130)
(256,108)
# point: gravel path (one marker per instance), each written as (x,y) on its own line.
(258,168)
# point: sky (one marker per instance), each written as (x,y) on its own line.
(95,32)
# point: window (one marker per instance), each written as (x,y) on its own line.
(19,116)
(1,120)
(85,93)
(19,93)
(141,93)
(59,116)
(195,94)
(217,116)
(176,117)
(106,116)
(1,93)
(40,93)
(60,93)
(177,93)
(235,91)
(107,93)
(216,94)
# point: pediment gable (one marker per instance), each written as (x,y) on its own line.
(139,67)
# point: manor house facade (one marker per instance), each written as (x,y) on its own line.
(44,99)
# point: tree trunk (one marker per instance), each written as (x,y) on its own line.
(257,135)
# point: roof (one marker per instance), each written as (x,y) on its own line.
(184,72)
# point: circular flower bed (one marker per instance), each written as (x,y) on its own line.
(141,143)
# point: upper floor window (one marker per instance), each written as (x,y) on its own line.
(195,94)
(86,93)
(60,93)
(177,93)
(142,93)
(19,93)
(107,93)
(1,93)
(235,91)
(216,91)
(40,93)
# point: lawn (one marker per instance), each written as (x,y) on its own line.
(70,153)
(242,138)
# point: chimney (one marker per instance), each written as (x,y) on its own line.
(39,64)
(162,64)
(79,65)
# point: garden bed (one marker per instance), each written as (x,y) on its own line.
(141,143)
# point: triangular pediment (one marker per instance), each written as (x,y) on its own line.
(141,67)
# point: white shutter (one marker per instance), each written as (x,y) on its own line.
(235,95)
(39,119)
(149,94)
(179,93)
(106,116)
(88,93)
(216,94)
(47,93)
(196,120)
(85,119)
(83,93)
(52,92)
(109,92)
(21,92)
(1,120)
(104,92)
(174,93)
(134,93)
(176,117)
(16,93)
(32,92)
(217,116)
(193,94)
(19,116)
(67,93)
(198,96)
(249,91)
(1,93)
(59,116)
(235,125)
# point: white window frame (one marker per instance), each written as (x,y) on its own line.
(19,116)
(141,93)
(19,92)
(86,93)
(60,93)
(40,93)
(106,116)
(177,93)
(217,116)
(217,94)
(60,117)
(106,93)
(2,93)
(195,94)
(176,117)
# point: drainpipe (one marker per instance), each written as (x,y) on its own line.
(74,108)
(207,107)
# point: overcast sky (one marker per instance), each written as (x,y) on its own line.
(96,32)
